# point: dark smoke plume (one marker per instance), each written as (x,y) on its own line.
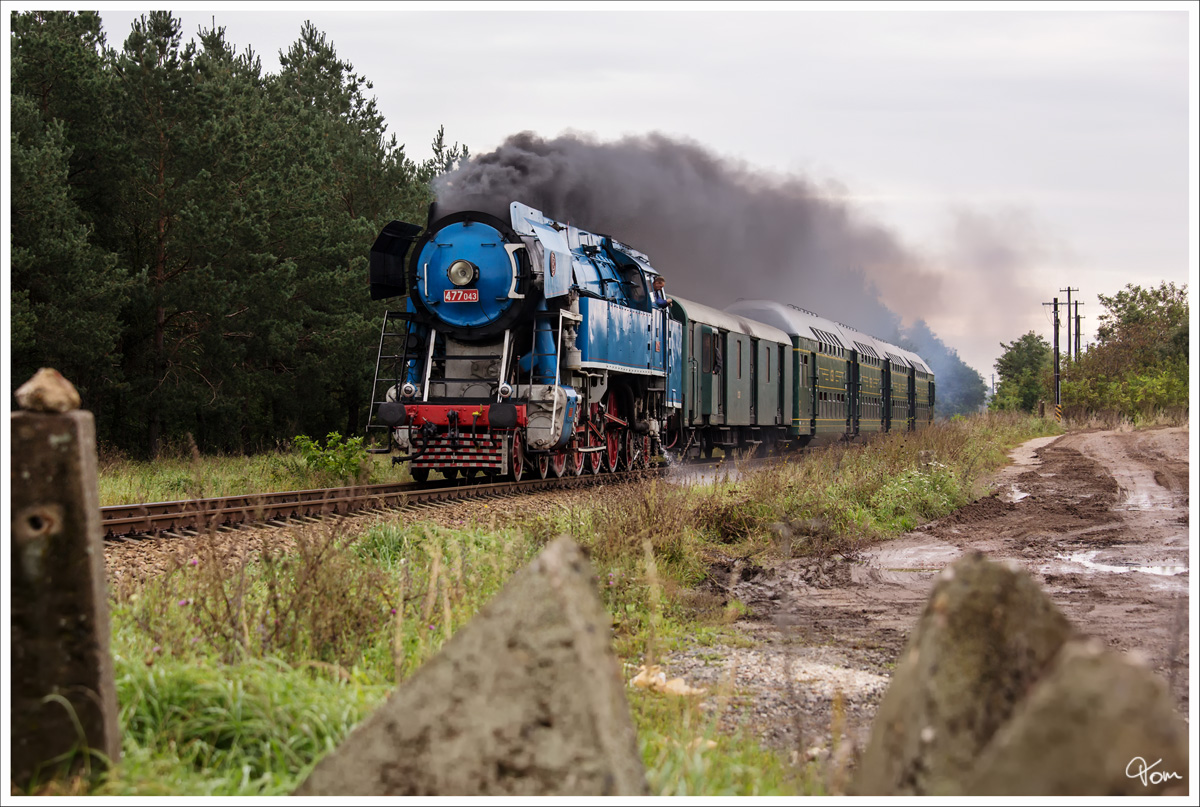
(960,390)
(717,230)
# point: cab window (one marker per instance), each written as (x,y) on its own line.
(634,284)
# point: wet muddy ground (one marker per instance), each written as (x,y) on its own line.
(1100,519)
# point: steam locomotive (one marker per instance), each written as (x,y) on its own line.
(531,346)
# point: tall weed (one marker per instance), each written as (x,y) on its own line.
(315,601)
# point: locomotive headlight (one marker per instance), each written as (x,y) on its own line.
(505,390)
(462,272)
(408,390)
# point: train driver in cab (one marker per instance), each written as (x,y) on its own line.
(660,298)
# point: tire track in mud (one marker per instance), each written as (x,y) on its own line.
(1099,519)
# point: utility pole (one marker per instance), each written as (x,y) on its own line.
(1057,385)
(1068,290)
(1077,339)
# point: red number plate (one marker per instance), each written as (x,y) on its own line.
(460,295)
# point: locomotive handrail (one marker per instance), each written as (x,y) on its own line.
(503,364)
(429,364)
(557,371)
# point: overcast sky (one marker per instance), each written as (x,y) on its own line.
(1018,151)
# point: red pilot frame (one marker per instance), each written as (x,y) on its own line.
(485,436)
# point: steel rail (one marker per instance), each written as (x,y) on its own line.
(230,511)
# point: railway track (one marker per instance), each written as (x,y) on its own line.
(132,521)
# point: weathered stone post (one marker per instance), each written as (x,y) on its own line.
(64,702)
(526,700)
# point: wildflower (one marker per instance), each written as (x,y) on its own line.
(157,649)
(184,602)
(393,612)
(195,562)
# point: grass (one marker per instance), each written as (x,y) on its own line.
(686,755)
(126,481)
(235,674)
(256,728)
(823,501)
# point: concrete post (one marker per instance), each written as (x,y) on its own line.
(64,703)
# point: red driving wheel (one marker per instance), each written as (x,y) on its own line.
(595,459)
(631,458)
(516,457)
(575,458)
(612,436)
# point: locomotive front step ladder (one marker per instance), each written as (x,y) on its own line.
(397,350)
(390,363)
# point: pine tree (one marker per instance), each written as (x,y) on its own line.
(194,233)
(66,290)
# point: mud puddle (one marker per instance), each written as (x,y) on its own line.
(1099,519)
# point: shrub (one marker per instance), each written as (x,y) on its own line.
(341,460)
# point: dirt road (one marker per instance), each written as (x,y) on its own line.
(1100,519)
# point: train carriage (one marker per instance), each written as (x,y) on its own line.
(823,369)
(856,384)
(866,382)
(737,382)
(900,384)
(922,390)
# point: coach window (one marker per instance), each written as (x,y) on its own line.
(706,353)
(739,344)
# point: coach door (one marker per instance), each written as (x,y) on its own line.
(705,377)
(885,386)
(782,410)
(753,381)
(912,399)
(854,373)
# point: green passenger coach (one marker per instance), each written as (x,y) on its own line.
(738,385)
(847,383)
